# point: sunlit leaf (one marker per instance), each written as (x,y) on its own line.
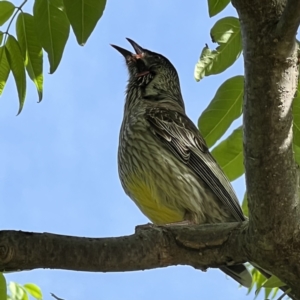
(274,292)
(267,292)
(225,107)
(226,32)
(229,155)
(6,11)
(33,290)
(53,27)
(83,16)
(296,115)
(31,49)
(3,289)
(216,6)
(16,63)
(4,70)
(16,291)
(272,282)
(258,280)
(206,60)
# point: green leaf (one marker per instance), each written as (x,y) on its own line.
(296,115)
(229,155)
(53,27)
(296,153)
(3,289)
(83,16)
(267,292)
(245,208)
(225,107)
(17,292)
(31,49)
(275,291)
(226,32)
(1,37)
(6,11)
(16,63)
(273,282)
(252,271)
(4,70)
(33,290)
(216,6)
(205,61)
(258,280)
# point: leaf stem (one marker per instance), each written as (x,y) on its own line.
(18,8)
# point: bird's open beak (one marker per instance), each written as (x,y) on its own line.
(123,51)
(127,54)
(137,48)
(133,58)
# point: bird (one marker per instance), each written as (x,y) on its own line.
(164,164)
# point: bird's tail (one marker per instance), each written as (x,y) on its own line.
(239,273)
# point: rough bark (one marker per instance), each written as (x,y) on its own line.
(271,77)
(150,247)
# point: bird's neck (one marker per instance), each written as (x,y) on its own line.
(138,96)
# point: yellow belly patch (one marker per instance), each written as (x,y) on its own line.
(150,203)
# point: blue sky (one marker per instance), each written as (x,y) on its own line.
(59,158)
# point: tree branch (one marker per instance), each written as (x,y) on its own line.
(151,247)
(288,25)
(271,78)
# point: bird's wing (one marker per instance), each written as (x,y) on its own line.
(178,133)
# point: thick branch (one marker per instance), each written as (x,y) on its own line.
(271,78)
(288,25)
(270,86)
(148,248)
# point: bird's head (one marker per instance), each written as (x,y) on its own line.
(151,74)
